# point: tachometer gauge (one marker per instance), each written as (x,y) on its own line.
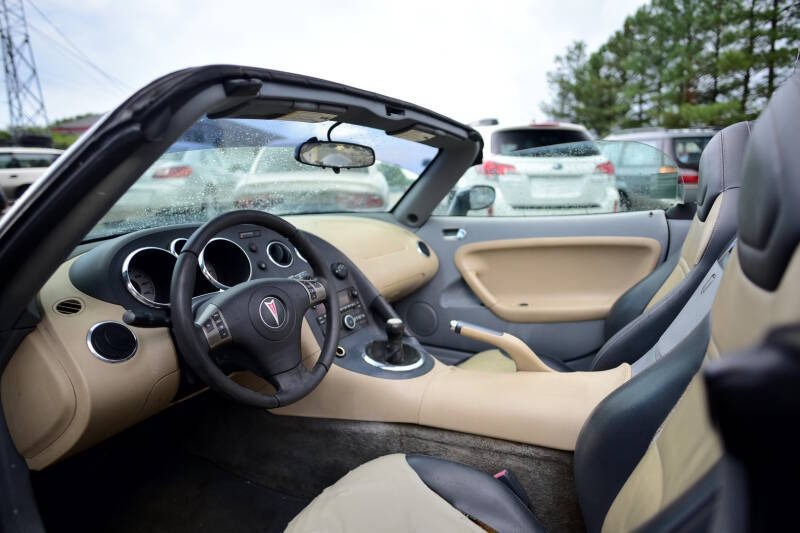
(142,283)
(147,273)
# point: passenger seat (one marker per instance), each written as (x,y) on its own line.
(644,312)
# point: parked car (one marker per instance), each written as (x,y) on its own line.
(544,167)
(20,166)
(182,180)
(681,146)
(276,181)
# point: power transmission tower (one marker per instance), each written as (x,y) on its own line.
(25,101)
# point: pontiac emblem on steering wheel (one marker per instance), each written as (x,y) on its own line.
(272,312)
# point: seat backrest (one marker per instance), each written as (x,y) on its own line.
(760,289)
(720,175)
(644,312)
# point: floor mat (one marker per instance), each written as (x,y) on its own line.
(132,487)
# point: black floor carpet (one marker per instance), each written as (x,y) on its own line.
(144,481)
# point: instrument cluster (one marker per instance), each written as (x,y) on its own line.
(223,263)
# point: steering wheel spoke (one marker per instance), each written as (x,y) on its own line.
(215,328)
(316,290)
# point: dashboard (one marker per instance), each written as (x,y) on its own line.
(103,375)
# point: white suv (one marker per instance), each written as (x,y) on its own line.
(19,167)
(544,168)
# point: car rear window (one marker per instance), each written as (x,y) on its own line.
(687,150)
(26,160)
(506,142)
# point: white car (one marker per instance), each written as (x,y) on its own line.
(276,180)
(544,168)
(19,167)
(181,183)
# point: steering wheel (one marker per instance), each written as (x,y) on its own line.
(259,320)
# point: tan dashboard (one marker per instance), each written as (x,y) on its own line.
(387,254)
(58,398)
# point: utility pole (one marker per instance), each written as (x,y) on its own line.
(25,101)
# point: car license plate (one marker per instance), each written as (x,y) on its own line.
(541,189)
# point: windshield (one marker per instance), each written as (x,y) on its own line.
(223,164)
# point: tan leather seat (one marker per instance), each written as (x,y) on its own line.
(648,454)
(645,311)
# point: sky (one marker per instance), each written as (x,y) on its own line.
(465,59)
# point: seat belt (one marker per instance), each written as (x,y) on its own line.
(695,310)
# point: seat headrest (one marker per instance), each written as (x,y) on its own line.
(769,202)
(721,165)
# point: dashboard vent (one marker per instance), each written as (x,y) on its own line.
(280,254)
(70,306)
(423,249)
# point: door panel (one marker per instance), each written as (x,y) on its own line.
(447,297)
(555,279)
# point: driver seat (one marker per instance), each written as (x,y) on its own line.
(642,314)
(648,457)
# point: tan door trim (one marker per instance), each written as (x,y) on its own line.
(555,279)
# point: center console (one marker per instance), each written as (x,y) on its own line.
(354,317)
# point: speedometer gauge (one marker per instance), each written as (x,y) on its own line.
(143,283)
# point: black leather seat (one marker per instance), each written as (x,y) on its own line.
(648,457)
(642,314)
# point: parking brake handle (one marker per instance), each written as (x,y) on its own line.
(525,358)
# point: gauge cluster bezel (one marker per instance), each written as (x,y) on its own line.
(128,265)
(206,265)
(247,250)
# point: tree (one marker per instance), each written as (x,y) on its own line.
(679,63)
(562,81)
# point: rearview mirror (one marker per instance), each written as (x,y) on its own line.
(335,155)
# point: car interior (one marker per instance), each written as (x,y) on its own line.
(262,370)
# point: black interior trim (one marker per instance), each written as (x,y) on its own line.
(475,493)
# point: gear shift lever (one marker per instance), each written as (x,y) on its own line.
(394,341)
(393,354)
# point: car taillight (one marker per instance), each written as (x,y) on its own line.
(182,171)
(492,168)
(688,178)
(373,200)
(358,201)
(605,168)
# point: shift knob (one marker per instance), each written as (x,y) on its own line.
(394,341)
(394,329)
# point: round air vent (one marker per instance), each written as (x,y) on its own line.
(423,249)
(112,342)
(69,306)
(280,254)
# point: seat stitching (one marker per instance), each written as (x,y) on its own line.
(724,188)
